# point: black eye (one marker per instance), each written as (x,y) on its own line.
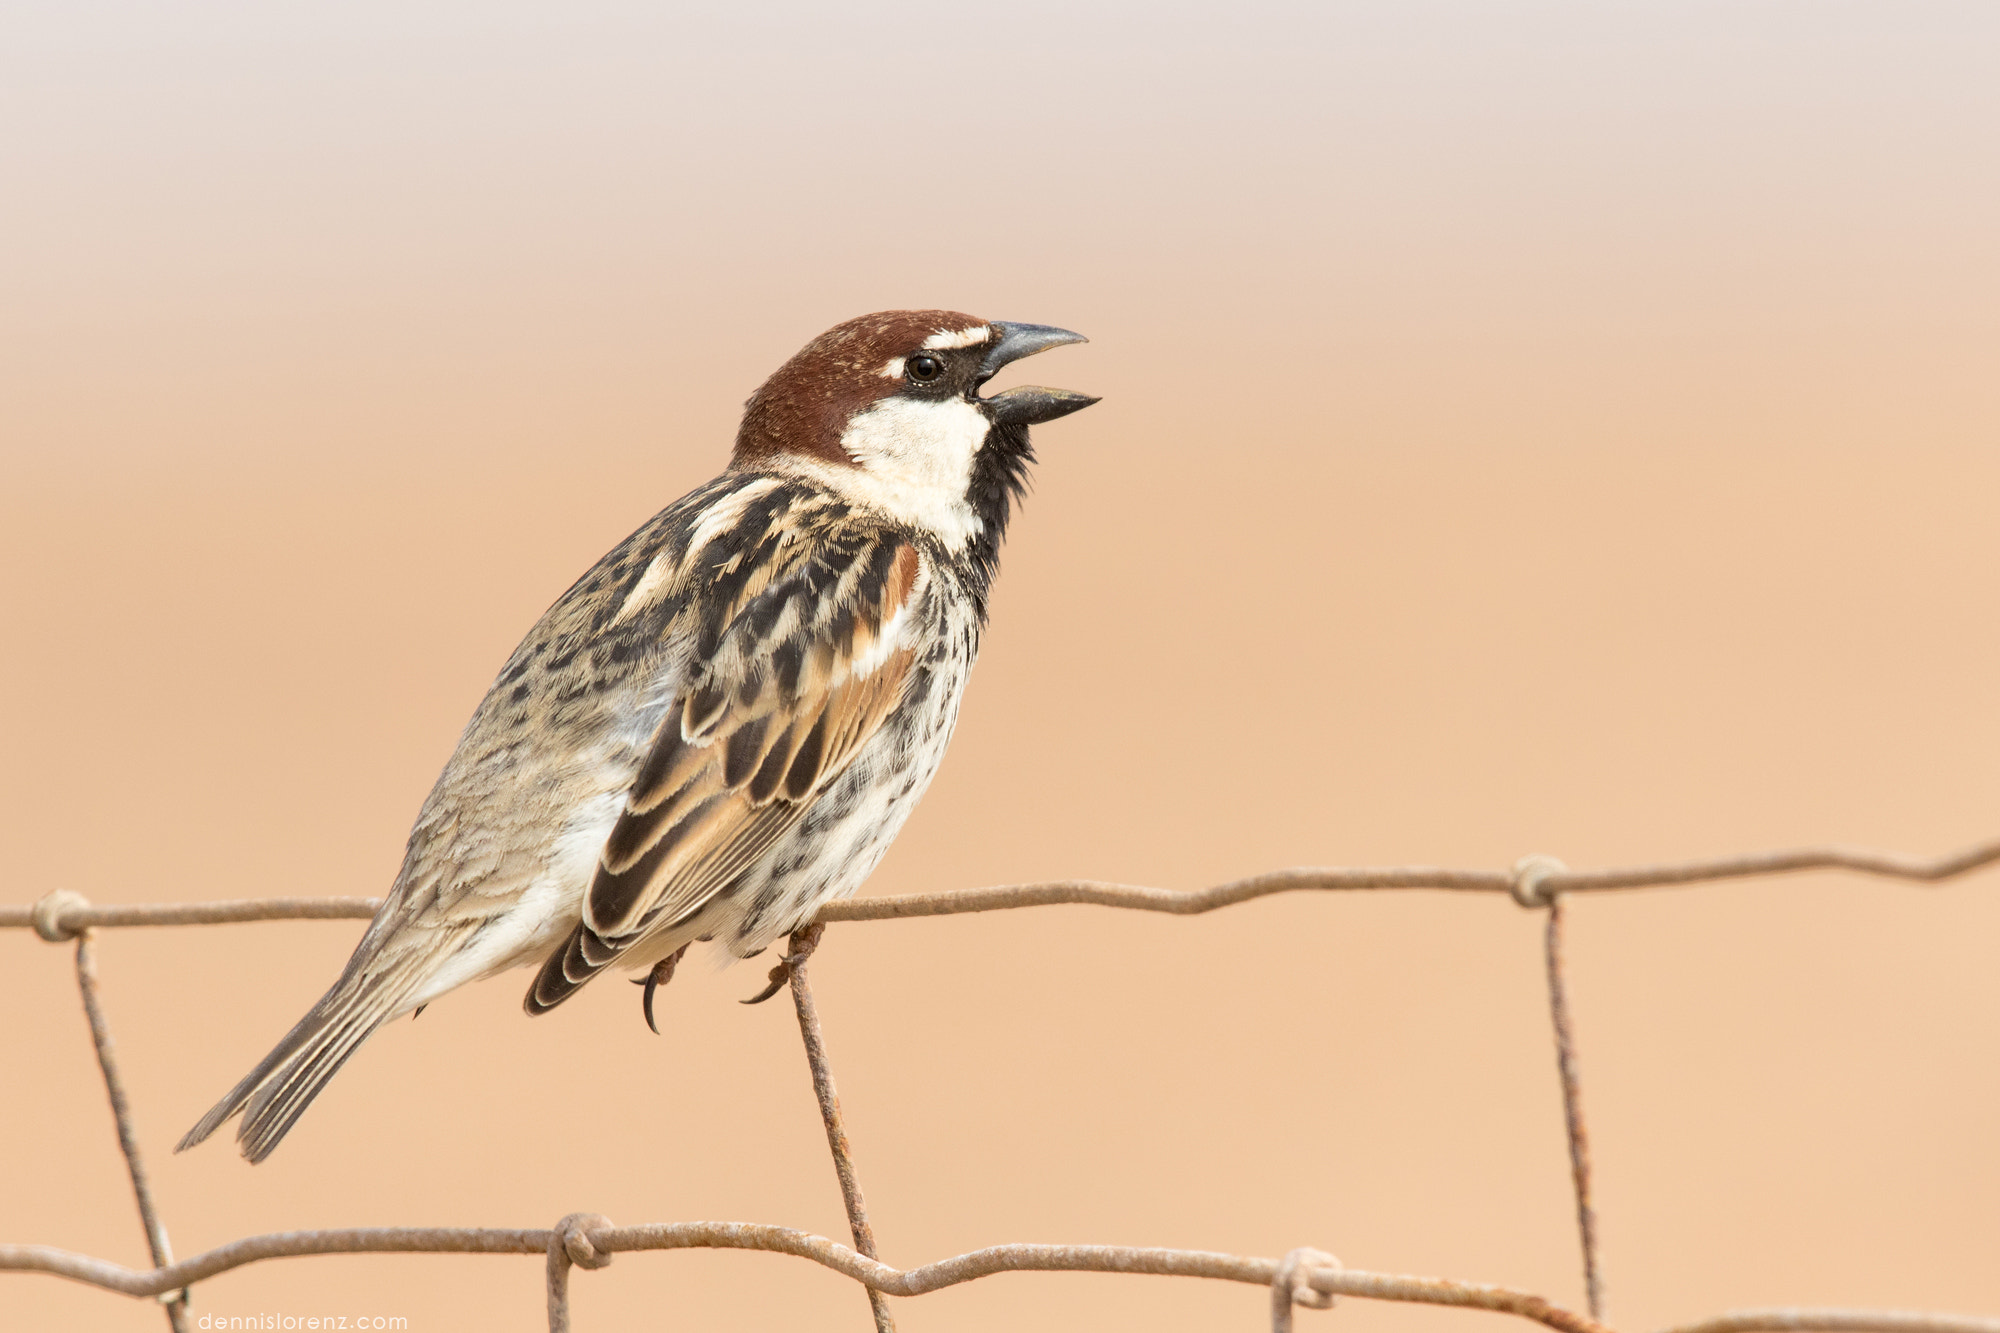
(924,369)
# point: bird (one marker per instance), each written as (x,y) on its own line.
(724,723)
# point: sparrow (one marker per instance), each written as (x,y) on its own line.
(725,722)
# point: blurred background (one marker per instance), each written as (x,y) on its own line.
(1526,427)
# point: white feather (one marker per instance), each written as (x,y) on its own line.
(952,340)
(914,460)
(546,909)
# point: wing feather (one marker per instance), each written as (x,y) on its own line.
(791,685)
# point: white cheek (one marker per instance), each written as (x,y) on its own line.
(916,460)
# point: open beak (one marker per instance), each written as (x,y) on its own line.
(1028,405)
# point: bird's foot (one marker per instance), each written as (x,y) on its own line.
(662,973)
(804,941)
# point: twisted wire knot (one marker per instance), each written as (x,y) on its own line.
(47,914)
(1529,884)
(1289,1286)
(574,1233)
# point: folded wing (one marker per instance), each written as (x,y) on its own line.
(796,665)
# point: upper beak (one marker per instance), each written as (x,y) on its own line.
(1028,405)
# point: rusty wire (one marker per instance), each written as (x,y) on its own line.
(608,1240)
(571,1243)
(176,1303)
(79,914)
(1291,1285)
(1572,1094)
(803,942)
(1304,1276)
(1836,1321)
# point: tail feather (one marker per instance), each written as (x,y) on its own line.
(276,1107)
(274,1094)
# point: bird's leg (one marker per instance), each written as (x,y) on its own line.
(803,942)
(662,973)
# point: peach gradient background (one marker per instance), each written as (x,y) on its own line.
(1526,427)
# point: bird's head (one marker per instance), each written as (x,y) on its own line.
(887,409)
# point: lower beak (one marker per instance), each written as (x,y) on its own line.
(1029,405)
(1026,406)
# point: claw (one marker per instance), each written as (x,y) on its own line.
(781,976)
(662,973)
(803,943)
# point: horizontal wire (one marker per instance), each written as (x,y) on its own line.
(90,916)
(64,917)
(933,1276)
(1782,1318)
(1135,897)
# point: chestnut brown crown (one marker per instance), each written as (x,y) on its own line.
(807,406)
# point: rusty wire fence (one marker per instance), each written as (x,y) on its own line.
(1302,1277)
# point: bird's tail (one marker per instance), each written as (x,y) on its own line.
(276,1093)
